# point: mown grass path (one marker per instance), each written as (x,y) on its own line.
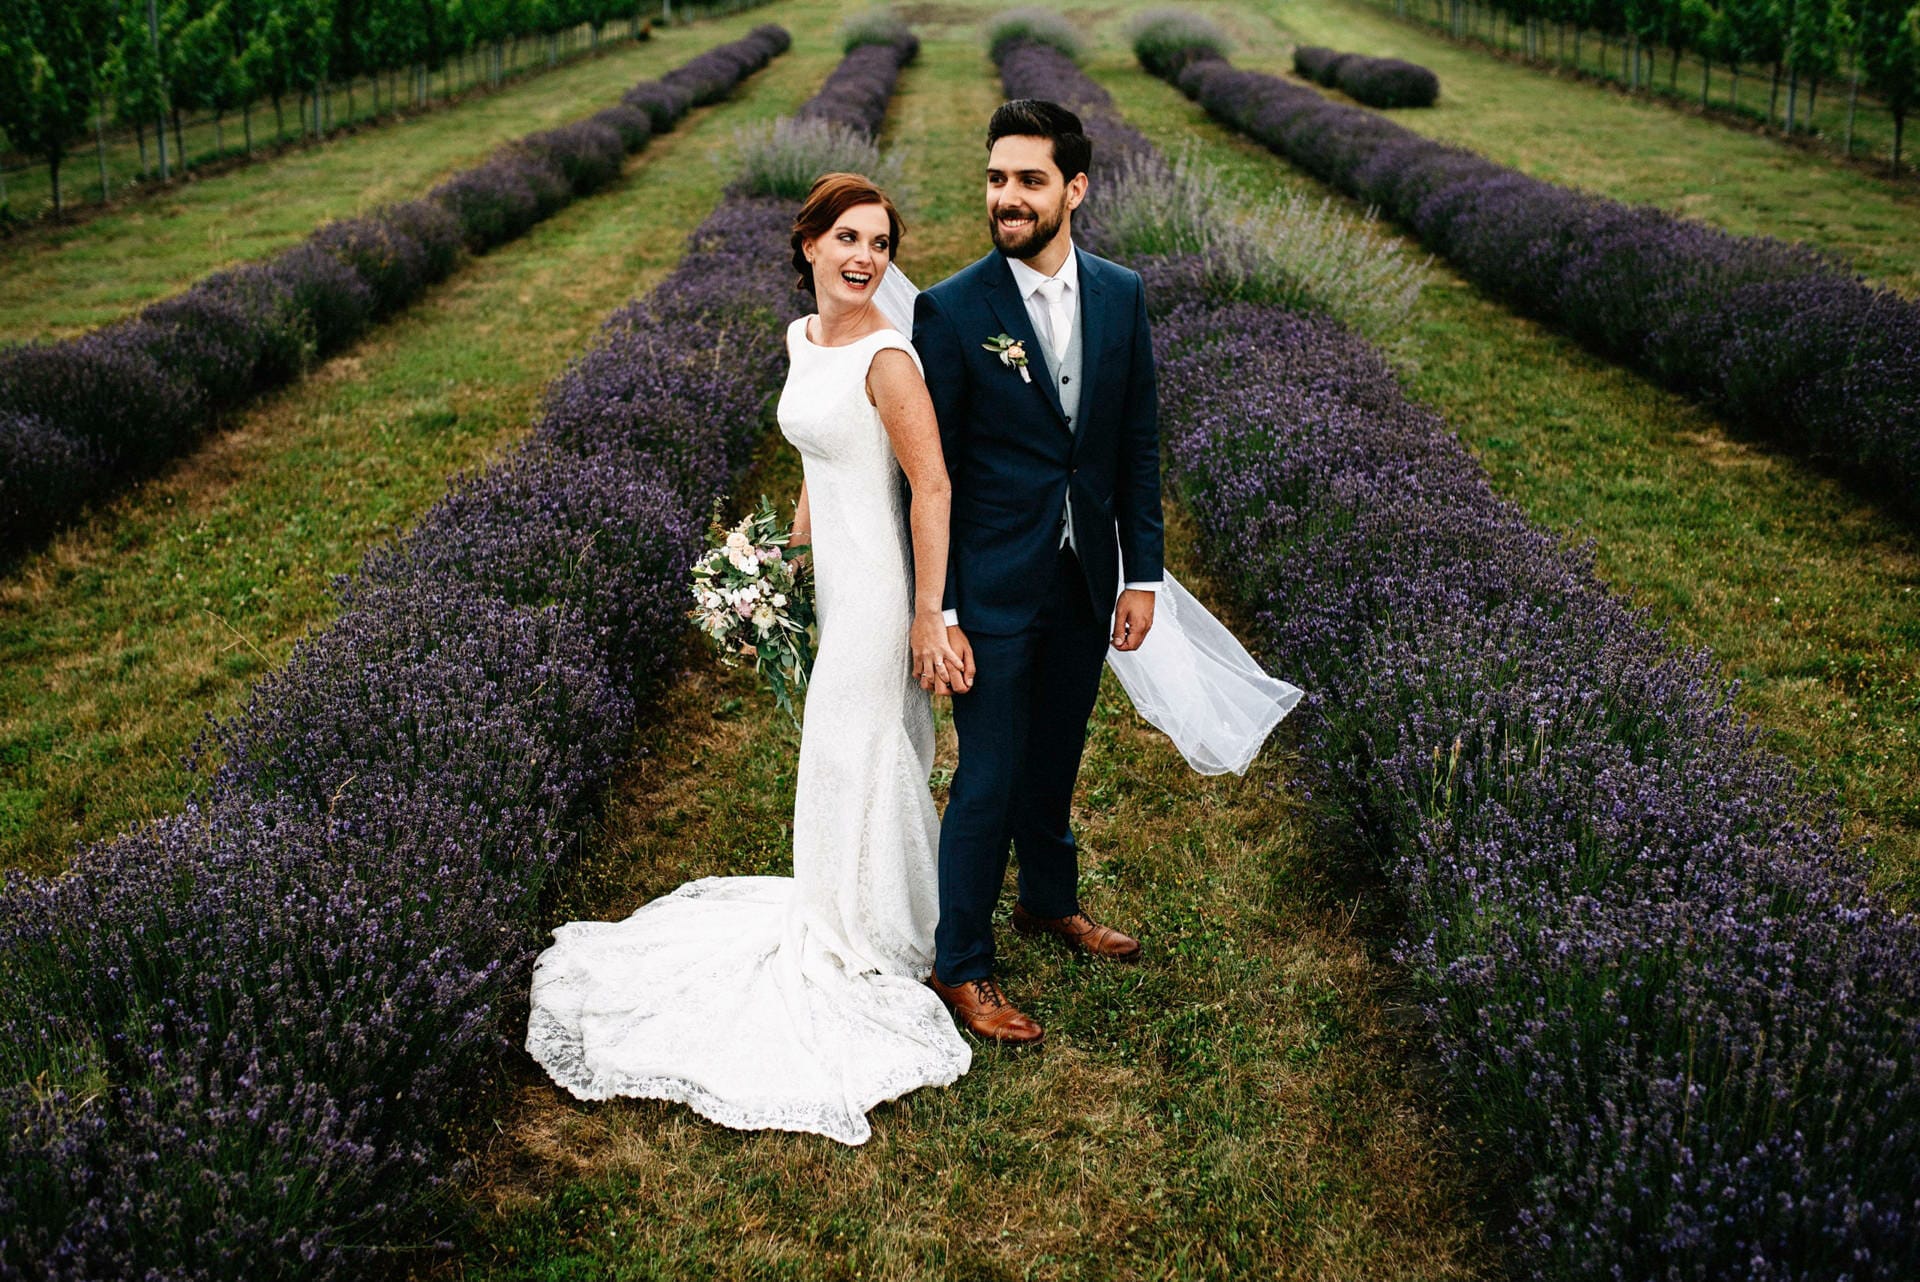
(59,281)
(1585,135)
(121,637)
(1247,1102)
(1806,593)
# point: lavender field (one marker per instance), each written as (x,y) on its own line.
(1563,932)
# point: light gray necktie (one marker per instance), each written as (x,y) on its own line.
(1053,292)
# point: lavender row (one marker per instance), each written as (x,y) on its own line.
(1777,338)
(237,1035)
(82,417)
(1651,961)
(1377,82)
(856,94)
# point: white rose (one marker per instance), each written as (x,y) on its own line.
(737,542)
(763,618)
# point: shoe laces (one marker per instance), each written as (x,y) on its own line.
(988,992)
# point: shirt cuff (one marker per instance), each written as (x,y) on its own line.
(951,618)
(1145,587)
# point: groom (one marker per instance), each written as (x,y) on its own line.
(1038,361)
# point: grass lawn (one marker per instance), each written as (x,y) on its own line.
(1585,135)
(121,637)
(57,281)
(1805,593)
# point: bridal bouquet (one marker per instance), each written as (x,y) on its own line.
(752,597)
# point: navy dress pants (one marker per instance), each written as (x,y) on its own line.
(1021,730)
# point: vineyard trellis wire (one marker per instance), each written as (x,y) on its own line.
(169,86)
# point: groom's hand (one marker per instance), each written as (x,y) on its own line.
(959,669)
(1132,619)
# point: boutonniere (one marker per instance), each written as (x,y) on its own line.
(1011,351)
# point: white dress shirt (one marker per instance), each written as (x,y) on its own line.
(1054,324)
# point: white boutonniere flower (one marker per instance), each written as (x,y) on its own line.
(1011,351)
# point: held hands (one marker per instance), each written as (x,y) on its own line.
(942,659)
(1132,619)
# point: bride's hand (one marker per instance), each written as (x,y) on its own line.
(940,666)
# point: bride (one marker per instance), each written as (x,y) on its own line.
(800,1003)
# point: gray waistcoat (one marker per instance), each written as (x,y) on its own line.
(1067,382)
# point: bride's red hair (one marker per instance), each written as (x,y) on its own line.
(832,196)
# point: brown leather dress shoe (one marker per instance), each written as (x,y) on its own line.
(1081,932)
(987,1013)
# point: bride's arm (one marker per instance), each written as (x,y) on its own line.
(900,394)
(802,519)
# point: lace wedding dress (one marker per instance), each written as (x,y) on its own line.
(794,1003)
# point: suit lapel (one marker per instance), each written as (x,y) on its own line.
(1093,331)
(1003,296)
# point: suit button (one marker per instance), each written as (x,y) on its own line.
(1064,380)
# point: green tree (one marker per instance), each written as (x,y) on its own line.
(133,79)
(1890,58)
(53,58)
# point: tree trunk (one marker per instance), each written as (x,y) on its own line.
(140,132)
(1673,71)
(1706,79)
(179,139)
(246,118)
(1853,102)
(1899,128)
(100,144)
(53,167)
(1793,97)
(1813,96)
(160,137)
(1773,94)
(1733,103)
(219,132)
(279,117)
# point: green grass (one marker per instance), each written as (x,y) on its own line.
(1804,592)
(121,637)
(57,281)
(1243,1103)
(1585,135)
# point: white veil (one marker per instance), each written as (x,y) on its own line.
(1190,678)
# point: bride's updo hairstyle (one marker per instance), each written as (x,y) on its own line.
(832,196)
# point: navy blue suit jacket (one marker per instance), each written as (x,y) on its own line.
(1012,456)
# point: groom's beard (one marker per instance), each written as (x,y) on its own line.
(1026,239)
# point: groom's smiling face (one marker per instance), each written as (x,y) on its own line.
(1028,199)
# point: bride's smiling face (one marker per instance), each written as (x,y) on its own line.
(850,257)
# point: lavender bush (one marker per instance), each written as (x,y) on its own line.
(233,1039)
(119,402)
(1652,964)
(856,93)
(1377,82)
(1775,337)
(1166,40)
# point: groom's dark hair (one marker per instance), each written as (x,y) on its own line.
(1038,118)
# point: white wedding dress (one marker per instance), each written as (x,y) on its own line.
(794,1003)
